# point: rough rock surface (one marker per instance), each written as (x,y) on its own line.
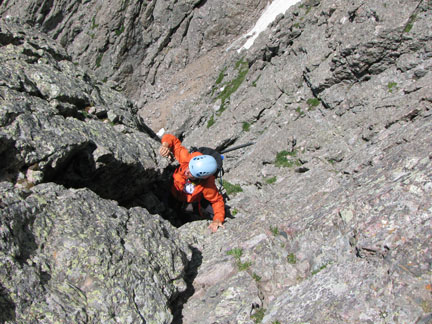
(142,46)
(68,255)
(59,125)
(333,221)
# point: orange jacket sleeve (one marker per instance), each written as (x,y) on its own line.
(212,195)
(181,153)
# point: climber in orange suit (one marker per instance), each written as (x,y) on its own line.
(194,179)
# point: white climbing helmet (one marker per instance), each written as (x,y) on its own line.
(202,166)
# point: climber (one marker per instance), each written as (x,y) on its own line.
(193,179)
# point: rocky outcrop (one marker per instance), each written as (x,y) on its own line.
(141,46)
(71,151)
(330,216)
(69,256)
(58,125)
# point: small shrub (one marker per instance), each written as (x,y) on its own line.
(254,83)
(221,76)
(256,277)
(231,188)
(234,212)
(84,113)
(246,126)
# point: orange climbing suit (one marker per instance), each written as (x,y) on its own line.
(204,188)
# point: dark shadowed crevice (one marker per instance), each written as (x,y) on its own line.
(131,185)
(7,306)
(177,304)
(10,164)
(27,242)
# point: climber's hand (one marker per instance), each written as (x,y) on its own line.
(215,225)
(164,150)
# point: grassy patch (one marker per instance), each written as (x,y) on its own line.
(119,31)
(300,112)
(271,180)
(291,258)
(94,25)
(410,24)
(211,122)
(321,268)
(246,126)
(99,60)
(258,316)
(234,212)
(243,266)
(231,188)
(236,252)
(256,277)
(313,102)
(391,86)
(282,160)
(221,76)
(242,68)
(274,230)
(254,82)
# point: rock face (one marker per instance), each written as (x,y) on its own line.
(332,219)
(140,45)
(68,255)
(58,125)
(333,224)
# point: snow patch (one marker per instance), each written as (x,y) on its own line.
(268,16)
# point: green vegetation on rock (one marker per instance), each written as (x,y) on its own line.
(231,188)
(282,159)
(229,88)
(274,230)
(211,122)
(271,180)
(391,86)
(236,252)
(410,23)
(291,258)
(246,126)
(258,316)
(313,102)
